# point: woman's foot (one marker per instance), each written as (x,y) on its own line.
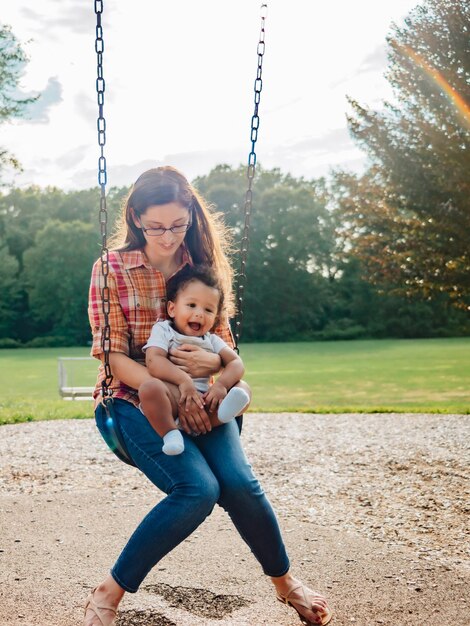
(102,603)
(311,606)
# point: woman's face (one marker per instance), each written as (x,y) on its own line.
(164,216)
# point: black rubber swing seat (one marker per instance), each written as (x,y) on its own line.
(112,434)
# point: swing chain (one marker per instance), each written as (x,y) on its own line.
(241,279)
(102,180)
(103,213)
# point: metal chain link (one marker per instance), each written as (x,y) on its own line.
(241,279)
(103,213)
(102,180)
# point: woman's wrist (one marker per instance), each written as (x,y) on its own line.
(198,363)
(214,367)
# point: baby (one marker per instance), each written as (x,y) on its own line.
(195,301)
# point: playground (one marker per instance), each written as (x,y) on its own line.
(362,448)
(373,507)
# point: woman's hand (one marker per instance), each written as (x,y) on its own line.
(194,420)
(195,361)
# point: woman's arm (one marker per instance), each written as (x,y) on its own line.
(195,361)
(127,370)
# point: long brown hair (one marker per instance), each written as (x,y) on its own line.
(207,239)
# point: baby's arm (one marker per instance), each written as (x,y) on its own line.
(233,368)
(231,375)
(159,366)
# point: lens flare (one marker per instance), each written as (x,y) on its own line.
(453,96)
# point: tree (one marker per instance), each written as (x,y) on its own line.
(57,276)
(12,61)
(10,300)
(291,251)
(408,217)
(23,212)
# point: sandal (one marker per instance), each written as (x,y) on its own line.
(325,614)
(92,606)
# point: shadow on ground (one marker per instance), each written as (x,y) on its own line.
(143,618)
(200,602)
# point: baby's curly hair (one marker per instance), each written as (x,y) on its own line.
(190,273)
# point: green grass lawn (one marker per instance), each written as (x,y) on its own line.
(423,375)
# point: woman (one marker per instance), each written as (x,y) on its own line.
(165,226)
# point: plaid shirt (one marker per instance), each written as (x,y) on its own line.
(137,294)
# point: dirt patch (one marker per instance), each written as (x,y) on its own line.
(198,601)
(142,618)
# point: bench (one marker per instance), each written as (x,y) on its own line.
(74,371)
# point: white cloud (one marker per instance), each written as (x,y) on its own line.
(72,158)
(60,16)
(85,106)
(179,84)
(375,61)
(38,111)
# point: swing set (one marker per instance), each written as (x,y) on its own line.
(112,434)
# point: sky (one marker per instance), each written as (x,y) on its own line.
(179,85)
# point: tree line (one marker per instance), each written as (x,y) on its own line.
(381,254)
(302,284)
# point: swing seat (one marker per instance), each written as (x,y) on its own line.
(112,434)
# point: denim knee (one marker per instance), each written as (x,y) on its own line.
(201,496)
(240,487)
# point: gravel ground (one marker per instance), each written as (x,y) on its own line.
(374,511)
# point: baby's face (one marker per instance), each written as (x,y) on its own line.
(195,309)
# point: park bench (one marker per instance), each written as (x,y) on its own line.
(74,372)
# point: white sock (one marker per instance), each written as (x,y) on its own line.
(233,404)
(173,443)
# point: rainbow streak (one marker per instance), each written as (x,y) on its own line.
(455,98)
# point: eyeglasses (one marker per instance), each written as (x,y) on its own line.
(158,232)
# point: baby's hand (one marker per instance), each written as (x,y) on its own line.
(189,394)
(214,396)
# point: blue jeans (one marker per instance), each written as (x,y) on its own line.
(212,469)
